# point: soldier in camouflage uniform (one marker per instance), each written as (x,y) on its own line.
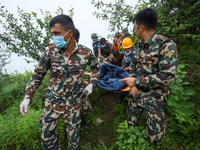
(67,62)
(153,69)
(86,106)
(106,49)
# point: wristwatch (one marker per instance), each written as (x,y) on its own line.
(137,81)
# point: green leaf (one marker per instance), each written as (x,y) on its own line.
(172,102)
(178,93)
(134,137)
(189,104)
(136,147)
(130,140)
(178,81)
(188,92)
(186,111)
(185,96)
(140,140)
(130,146)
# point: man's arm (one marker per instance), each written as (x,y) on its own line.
(111,50)
(34,83)
(100,56)
(95,66)
(37,77)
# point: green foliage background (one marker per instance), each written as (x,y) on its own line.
(177,20)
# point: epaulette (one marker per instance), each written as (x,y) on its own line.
(161,37)
(84,47)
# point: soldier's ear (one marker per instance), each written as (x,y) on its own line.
(71,33)
(141,28)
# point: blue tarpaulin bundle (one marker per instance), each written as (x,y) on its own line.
(110,76)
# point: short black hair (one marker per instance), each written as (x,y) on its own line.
(102,40)
(116,53)
(65,21)
(147,17)
(76,35)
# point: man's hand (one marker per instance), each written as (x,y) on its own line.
(130,81)
(100,56)
(127,69)
(89,89)
(134,91)
(85,83)
(88,73)
(24,107)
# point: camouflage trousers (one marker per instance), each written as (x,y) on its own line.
(86,106)
(156,118)
(49,120)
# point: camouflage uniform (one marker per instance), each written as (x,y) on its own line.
(155,65)
(86,106)
(96,46)
(107,50)
(63,96)
(119,62)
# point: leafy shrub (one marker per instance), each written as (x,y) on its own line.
(18,132)
(179,105)
(12,88)
(132,138)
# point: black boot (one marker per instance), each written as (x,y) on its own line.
(120,100)
(84,123)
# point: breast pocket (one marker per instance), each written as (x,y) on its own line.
(78,72)
(57,69)
(150,62)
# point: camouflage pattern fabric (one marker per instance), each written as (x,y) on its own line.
(155,65)
(86,105)
(96,46)
(63,96)
(117,62)
(107,50)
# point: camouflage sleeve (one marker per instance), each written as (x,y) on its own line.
(111,48)
(37,77)
(167,67)
(132,72)
(132,66)
(95,66)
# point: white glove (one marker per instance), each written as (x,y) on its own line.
(24,107)
(88,89)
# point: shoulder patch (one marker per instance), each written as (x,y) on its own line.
(169,54)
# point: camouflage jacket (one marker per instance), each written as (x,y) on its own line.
(66,74)
(155,65)
(107,50)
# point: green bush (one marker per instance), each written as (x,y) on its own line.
(180,106)
(132,138)
(20,132)
(12,88)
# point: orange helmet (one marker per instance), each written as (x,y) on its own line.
(127,43)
